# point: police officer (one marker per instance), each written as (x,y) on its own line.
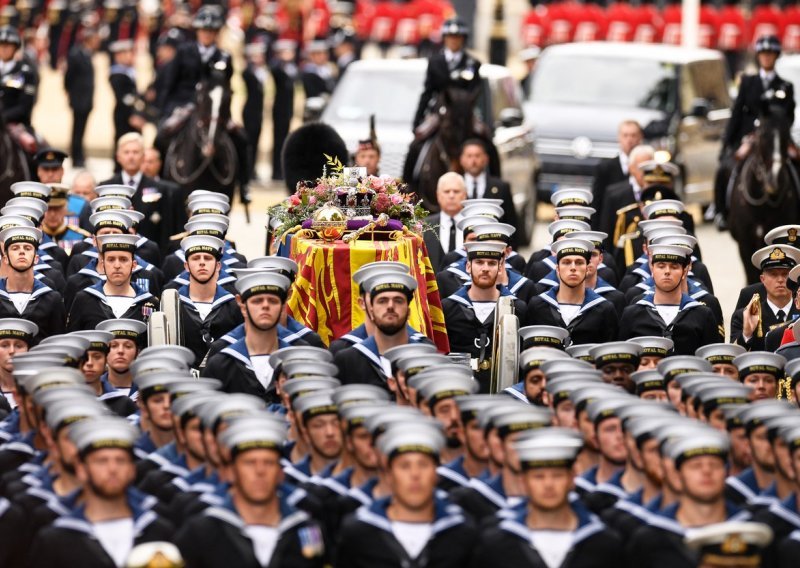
(451,66)
(746,110)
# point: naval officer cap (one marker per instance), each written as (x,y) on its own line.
(447,387)
(572,196)
(490,250)
(18,328)
(279,264)
(543,336)
(572,247)
(732,543)
(533,357)
(494,232)
(299,353)
(103,433)
(303,368)
(32,189)
(112,243)
(562,227)
(196,244)
(616,352)
(653,346)
(576,212)
(391,282)
(358,393)
(315,404)
(775,256)
(241,437)
(783,235)
(760,362)
(412,438)
(305,386)
(24,235)
(263,283)
(372,269)
(672,367)
(558,451)
(111,219)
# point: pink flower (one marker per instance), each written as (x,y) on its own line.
(377,183)
(381,203)
(312,200)
(397,198)
(294,200)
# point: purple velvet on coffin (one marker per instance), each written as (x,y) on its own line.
(380,233)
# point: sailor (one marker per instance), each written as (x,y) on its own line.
(123,348)
(617,360)
(654,350)
(531,388)
(721,357)
(16,336)
(762,372)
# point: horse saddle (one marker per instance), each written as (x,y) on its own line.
(428,126)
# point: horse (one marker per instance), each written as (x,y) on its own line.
(765,192)
(13,163)
(201,152)
(436,151)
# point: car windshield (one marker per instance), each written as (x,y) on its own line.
(603,81)
(391,95)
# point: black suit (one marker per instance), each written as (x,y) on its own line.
(79,84)
(185,71)
(608,172)
(496,188)
(163,208)
(617,196)
(127,97)
(435,247)
(253,112)
(438,77)
(748,106)
(284,75)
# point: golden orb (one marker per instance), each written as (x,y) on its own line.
(329,222)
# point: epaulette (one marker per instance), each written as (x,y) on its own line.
(179,236)
(627,208)
(629,236)
(82,232)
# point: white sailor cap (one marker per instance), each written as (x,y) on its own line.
(560,390)
(195,244)
(714,395)
(304,367)
(572,247)
(358,393)
(418,375)
(241,437)
(208,224)
(263,283)
(378,422)
(18,328)
(356,413)
(124,242)
(177,352)
(187,404)
(576,212)
(111,218)
(110,203)
(315,404)
(491,250)
(775,256)
(571,196)
(524,417)
(305,386)
(656,230)
(543,336)
(558,229)
(671,367)
(7,221)
(299,353)
(411,438)
(647,381)
(24,211)
(720,353)
(281,264)
(123,328)
(190,386)
(663,208)
(472,208)
(395,354)
(27,235)
(552,450)
(595,237)
(687,241)
(28,203)
(653,346)
(494,232)
(581,352)
(708,442)
(101,433)
(74,340)
(391,282)
(115,190)
(199,194)
(732,543)
(32,189)
(47,397)
(616,352)
(204,205)
(448,386)
(72,410)
(533,357)
(569,365)
(760,362)
(150,384)
(220,409)
(467,224)
(471,405)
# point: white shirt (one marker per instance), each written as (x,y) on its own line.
(120,304)
(552,546)
(775,308)
(10,399)
(386,366)
(413,536)
(445,222)
(262,369)
(5,67)
(132,181)
(668,312)
(637,191)
(206,52)
(623,162)
(483,310)
(203,308)
(116,538)
(264,540)
(766,77)
(476,186)
(569,312)
(452,57)
(20,300)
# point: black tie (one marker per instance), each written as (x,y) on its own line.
(781,316)
(473,188)
(451,242)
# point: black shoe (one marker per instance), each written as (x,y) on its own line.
(721,222)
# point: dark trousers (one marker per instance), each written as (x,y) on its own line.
(727,164)
(281,120)
(79,120)
(253,134)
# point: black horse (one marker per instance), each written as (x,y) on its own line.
(201,153)
(765,190)
(436,151)
(13,163)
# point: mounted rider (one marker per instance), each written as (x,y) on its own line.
(450,67)
(18,86)
(754,91)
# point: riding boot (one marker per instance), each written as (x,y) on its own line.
(727,165)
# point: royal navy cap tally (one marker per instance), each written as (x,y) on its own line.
(603,408)
(25,235)
(315,404)
(706,442)
(123,328)
(205,205)
(263,283)
(280,264)
(719,353)
(305,386)
(358,393)
(552,450)
(18,328)
(491,250)
(115,190)
(110,203)
(533,357)
(571,196)
(101,433)
(470,406)
(373,269)
(241,437)
(558,229)
(111,218)
(595,237)
(561,389)
(299,352)
(300,368)
(209,224)
(576,212)
(494,232)
(759,362)
(663,208)
(615,352)
(98,339)
(7,221)
(672,367)
(581,351)
(669,253)
(412,438)
(775,256)
(687,241)
(487,415)
(391,282)
(53,377)
(653,346)
(188,404)
(572,247)
(647,381)
(448,386)
(32,189)
(125,243)
(32,214)
(715,396)
(196,244)
(524,417)
(543,336)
